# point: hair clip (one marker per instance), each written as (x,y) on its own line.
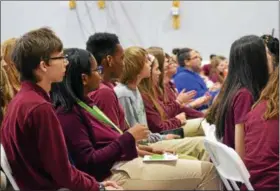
(151,57)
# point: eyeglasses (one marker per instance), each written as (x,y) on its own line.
(99,70)
(65,58)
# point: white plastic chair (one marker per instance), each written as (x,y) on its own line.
(7,169)
(209,130)
(228,164)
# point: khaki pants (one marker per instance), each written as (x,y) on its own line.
(189,146)
(178,175)
(193,128)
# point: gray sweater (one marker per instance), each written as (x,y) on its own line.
(134,109)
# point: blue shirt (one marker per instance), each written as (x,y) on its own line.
(189,80)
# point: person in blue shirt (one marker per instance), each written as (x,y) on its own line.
(188,78)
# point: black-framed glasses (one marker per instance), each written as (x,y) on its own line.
(99,69)
(65,58)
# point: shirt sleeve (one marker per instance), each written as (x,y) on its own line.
(131,118)
(107,102)
(191,113)
(53,151)
(83,151)
(128,110)
(242,105)
(155,123)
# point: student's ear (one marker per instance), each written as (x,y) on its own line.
(109,60)
(186,63)
(84,79)
(43,66)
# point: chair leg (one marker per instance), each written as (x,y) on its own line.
(249,185)
(227,185)
(233,183)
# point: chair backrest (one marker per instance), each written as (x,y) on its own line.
(209,130)
(7,169)
(227,162)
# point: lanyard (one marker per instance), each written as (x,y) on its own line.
(98,114)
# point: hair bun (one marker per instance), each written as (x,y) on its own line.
(176,50)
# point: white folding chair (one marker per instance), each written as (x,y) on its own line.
(7,169)
(228,164)
(209,130)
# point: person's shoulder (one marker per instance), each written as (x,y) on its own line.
(182,74)
(102,92)
(243,93)
(28,101)
(122,91)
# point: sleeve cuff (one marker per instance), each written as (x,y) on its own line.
(128,145)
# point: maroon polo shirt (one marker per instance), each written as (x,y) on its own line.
(206,69)
(106,100)
(241,105)
(94,147)
(155,123)
(34,143)
(262,149)
(170,91)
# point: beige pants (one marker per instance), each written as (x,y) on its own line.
(189,146)
(178,175)
(193,127)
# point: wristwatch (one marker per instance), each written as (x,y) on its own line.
(102,187)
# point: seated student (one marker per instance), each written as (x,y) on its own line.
(248,75)
(216,74)
(137,66)
(163,114)
(31,133)
(207,67)
(135,104)
(183,97)
(106,152)
(187,76)
(262,138)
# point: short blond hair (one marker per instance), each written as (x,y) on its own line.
(134,61)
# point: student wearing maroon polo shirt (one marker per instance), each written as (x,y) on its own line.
(164,113)
(207,67)
(262,138)
(31,133)
(106,152)
(248,74)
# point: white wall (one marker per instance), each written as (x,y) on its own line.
(208,26)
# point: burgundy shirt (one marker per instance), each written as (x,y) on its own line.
(206,69)
(262,149)
(190,113)
(155,123)
(172,93)
(94,147)
(107,101)
(171,109)
(34,143)
(241,105)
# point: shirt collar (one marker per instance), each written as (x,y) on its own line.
(28,85)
